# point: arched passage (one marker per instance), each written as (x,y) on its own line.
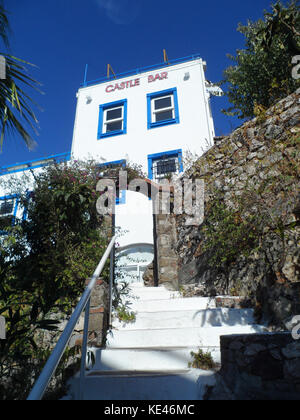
(137,216)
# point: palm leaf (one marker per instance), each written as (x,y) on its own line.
(4,25)
(16,114)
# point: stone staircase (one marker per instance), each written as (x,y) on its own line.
(148,359)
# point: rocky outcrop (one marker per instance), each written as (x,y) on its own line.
(248,244)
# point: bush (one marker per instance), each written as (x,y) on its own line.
(44,262)
(262,72)
(202,360)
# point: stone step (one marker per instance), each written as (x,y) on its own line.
(174,337)
(182,385)
(190,318)
(155,293)
(176,304)
(138,359)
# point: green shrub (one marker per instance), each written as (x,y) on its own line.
(202,360)
(44,263)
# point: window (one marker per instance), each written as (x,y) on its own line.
(6,208)
(166,163)
(112,119)
(162,108)
(8,211)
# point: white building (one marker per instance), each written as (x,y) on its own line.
(151,117)
(147,116)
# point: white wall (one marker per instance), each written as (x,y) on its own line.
(192,133)
(135,217)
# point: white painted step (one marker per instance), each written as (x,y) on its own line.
(147,359)
(153,293)
(181,304)
(189,337)
(177,385)
(186,319)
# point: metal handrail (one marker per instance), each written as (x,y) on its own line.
(54,359)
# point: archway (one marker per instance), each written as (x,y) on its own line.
(137,214)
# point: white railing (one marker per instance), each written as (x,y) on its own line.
(83,305)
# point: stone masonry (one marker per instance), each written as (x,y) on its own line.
(259,161)
(167,257)
(258,367)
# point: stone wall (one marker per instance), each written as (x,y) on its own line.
(167,260)
(98,323)
(99,317)
(258,367)
(254,171)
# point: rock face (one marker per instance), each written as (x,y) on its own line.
(258,367)
(248,244)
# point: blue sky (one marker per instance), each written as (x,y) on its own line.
(61,36)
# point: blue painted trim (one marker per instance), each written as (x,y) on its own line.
(103,108)
(62,157)
(121,162)
(143,70)
(154,95)
(157,156)
(25,212)
(122,199)
(16,209)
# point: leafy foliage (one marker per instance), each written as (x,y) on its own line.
(4,25)
(260,211)
(124,315)
(230,232)
(44,262)
(262,72)
(201,360)
(16,113)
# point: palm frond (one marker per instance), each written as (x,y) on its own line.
(4,25)
(16,113)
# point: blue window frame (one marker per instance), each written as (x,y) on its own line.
(8,210)
(162,164)
(162,108)
(112,119)
(121,198)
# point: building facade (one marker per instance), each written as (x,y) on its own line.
(152,117)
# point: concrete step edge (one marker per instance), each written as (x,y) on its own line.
(227,327)
(180,311)
(136,373)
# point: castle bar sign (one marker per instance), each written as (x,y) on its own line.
(135,82)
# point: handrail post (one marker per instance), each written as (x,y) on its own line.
(111,282)
(84,350)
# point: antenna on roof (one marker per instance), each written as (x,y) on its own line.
(85,75)
(109,69)
(166,60)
